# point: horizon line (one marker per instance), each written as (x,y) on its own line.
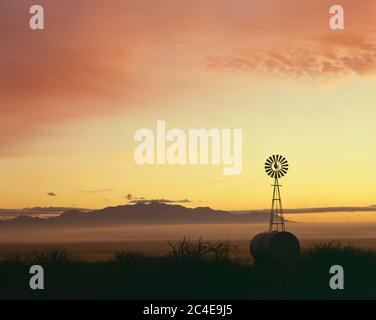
(319,209)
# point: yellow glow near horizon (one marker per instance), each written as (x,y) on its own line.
(325,136)
(334,217)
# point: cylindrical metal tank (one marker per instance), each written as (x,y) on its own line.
(280,248)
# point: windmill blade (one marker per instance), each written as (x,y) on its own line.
(270,159)
(268,168)
(283,171)
(285,166)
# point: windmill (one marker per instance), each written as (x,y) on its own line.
(276,166)
(276,248)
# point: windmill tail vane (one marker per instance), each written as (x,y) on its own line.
(276,166)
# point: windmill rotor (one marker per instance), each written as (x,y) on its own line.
(276,166)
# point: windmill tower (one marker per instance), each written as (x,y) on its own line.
(276,166)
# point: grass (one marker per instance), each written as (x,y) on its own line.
(192,270)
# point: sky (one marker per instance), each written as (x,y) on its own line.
(73,95)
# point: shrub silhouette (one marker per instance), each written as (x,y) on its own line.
(186,249)
(222,250)
(359,266)
(50,257)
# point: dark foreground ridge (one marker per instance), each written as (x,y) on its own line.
(193,270)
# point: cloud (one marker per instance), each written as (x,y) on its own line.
(160,201)
(52,194)
(322,58)
(131,197)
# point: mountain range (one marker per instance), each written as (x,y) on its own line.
(140,213)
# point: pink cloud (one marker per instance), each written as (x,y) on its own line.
(98,57)
(321,58)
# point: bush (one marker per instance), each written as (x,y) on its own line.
(50,257)
(218,251)
(334,252)
(221,251)
(188,250)
(358,264)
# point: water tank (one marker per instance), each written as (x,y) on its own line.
(278,248)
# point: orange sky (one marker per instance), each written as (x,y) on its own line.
(72,96)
